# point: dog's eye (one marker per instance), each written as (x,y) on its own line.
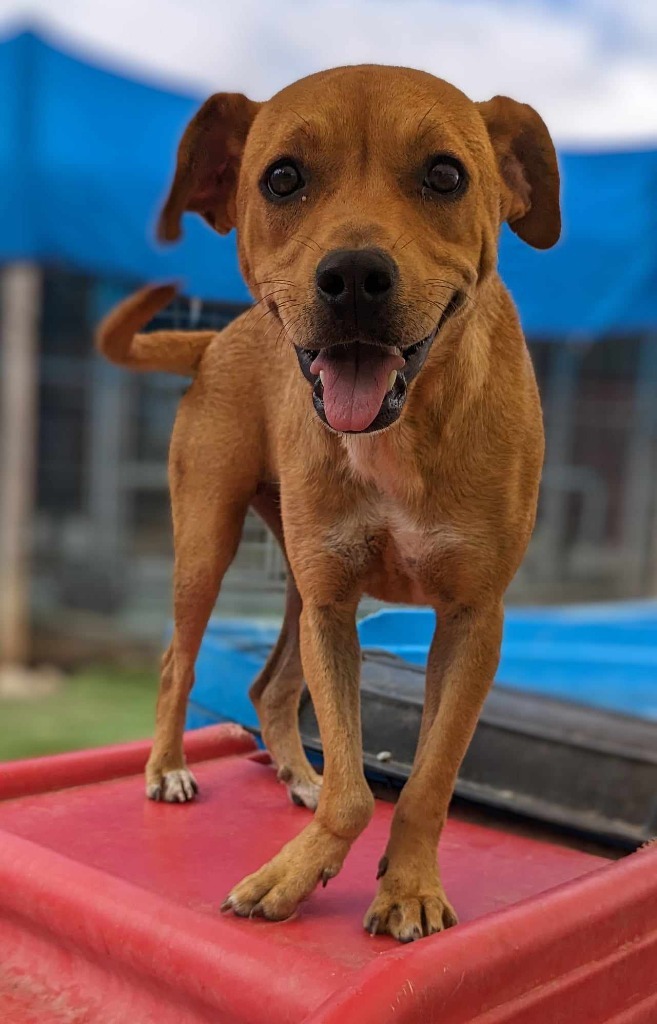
(444,176)
(283,179)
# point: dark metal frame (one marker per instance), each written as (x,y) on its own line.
(554,761)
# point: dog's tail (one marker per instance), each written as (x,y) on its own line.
(162,351)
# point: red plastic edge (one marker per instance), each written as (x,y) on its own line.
(590,945)
(85,767)
(181,955)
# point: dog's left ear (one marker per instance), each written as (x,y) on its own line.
(528,167)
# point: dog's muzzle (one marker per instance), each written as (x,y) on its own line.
(361,387)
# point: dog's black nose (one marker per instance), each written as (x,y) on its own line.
(355,283)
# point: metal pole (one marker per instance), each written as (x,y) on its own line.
(640,486)
(560,428)
(20,292)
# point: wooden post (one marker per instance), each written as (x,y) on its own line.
(20,295)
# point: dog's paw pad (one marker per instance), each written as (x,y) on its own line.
(261,895)
(274,895)
(276,890)
(409,917)
(175,787)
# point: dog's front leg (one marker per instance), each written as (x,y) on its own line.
(331,661)
(411,901)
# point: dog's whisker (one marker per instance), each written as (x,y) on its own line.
(439,305)
(283,304)
(304,120)
(274,291)
(263,299)
(292,323)
(274,280)
(319,248)
(269,309)
(426,114)
(269,312)
(288,328)
(290,304)
(275,323)
(397,240)
(450,284)
(301,242)
(444,121)
(272,310)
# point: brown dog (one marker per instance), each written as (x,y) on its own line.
(379,410)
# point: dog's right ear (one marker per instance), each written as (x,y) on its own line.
(209,158)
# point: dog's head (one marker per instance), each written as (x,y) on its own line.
(368,202)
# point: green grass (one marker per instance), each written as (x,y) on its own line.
(91,708)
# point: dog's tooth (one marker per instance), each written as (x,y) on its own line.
(391,379)
(321,377)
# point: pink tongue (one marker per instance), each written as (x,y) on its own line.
(355,383)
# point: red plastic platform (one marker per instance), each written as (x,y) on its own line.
(109,912)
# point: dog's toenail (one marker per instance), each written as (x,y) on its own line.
(383,867)
(226,905)
(373,926)
(326,876)
(296,799)
(257,911)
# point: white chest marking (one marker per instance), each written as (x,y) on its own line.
(374,462)
(416,547)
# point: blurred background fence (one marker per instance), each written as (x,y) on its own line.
(102,537)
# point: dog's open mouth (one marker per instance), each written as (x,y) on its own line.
(361,387)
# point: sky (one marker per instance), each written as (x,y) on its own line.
(588,66)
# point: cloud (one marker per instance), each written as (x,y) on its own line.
(588,66)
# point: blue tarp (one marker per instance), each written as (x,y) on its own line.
(602,655)
(86,157)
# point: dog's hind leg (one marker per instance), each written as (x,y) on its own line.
(277,689)
(210,485)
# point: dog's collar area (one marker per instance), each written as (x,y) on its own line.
(393,402)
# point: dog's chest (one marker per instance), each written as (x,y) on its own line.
(404,560)
(417,565)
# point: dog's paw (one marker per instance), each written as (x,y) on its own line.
(303,787)
(410,915)
(276,890)
(175,787)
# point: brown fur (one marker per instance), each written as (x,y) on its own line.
(166,351)
(437,509)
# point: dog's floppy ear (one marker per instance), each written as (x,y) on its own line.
(528,167)
(209,158)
